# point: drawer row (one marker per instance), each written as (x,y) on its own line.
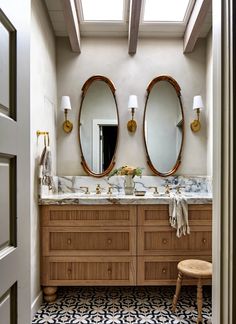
(149,270)
(143,240)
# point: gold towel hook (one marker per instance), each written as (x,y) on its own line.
(46,137)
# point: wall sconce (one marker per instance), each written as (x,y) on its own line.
(65,106)
(197,105)
(132,104)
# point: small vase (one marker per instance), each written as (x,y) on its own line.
(129,185)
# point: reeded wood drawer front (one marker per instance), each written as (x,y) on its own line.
(88,215)
(163,240)
(88,241)
(162,270)
(159,215)
(88,271)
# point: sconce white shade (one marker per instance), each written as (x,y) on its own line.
(65,103)
(133,102)
(197,102)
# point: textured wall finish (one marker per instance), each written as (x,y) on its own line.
(131,75)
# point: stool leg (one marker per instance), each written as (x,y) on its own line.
(199,301)
(177,291)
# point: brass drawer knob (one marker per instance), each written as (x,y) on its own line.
(164,270)
(109,241)
(69,241)
(164,241)
(109,270)
(204,241)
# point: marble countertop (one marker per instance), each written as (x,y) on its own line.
(105,199)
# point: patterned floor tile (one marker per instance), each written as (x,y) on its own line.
(123,305)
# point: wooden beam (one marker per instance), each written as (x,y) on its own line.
(134,18)
(194,25)
(72,24)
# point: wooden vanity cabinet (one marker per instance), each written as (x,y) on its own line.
(158,248)
(117,245)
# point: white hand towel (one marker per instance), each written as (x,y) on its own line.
(178,213)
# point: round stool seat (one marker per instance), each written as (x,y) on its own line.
(195,268)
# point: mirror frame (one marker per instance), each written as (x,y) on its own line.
(178,92)
(84,90)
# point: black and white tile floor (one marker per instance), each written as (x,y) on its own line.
(123,305)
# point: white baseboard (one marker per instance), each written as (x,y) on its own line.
(36,304)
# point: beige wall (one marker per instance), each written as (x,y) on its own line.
(131,75)
(43,117)
(209,105)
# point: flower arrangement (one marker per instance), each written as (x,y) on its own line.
(127,170)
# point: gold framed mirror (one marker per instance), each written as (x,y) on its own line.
(163,125)
(98,126)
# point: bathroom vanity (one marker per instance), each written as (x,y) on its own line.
(117,242)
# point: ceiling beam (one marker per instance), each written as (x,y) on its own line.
(72,24)
(134,19)
(195,23)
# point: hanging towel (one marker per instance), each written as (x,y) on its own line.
(178,214)
(45,168)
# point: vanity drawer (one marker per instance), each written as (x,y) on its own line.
(151,215)
(153,240)
(88,215)
(88,271)
(154,270)
(88,241)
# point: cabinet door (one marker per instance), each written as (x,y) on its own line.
(88,241)
(88,215)
(88,271)
(162,240)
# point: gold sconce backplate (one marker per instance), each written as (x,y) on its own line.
(132,126)
(195,126)
(67,126)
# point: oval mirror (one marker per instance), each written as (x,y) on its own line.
(163,125)
(98,126)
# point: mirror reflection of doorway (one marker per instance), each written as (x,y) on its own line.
(108,136)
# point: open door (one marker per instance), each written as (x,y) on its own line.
(14,162)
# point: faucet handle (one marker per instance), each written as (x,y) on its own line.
(109,191)
(155,190)
(178,189)
(86,190)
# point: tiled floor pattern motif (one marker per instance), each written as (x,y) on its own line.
(123,305)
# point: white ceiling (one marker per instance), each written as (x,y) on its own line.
(119,29)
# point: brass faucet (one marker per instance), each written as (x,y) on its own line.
(155,190)
(98,189)
(168,189)
(86,190)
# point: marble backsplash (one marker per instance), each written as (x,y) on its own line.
(72,184)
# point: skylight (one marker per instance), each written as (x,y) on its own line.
(165,10)
(102,10)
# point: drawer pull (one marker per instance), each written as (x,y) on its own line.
(69,271)
(164,241)
(204,241)
(164,270)
(109,241)
(69,241)
(109,270)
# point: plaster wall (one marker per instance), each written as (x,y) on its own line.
(43,117)
(131,75)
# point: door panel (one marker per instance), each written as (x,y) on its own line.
(15,162)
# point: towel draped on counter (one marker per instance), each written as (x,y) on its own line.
(178,214)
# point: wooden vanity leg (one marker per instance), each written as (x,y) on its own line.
(177,291)
(199,301)
(50,294)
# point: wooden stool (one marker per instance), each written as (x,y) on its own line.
(196,269)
